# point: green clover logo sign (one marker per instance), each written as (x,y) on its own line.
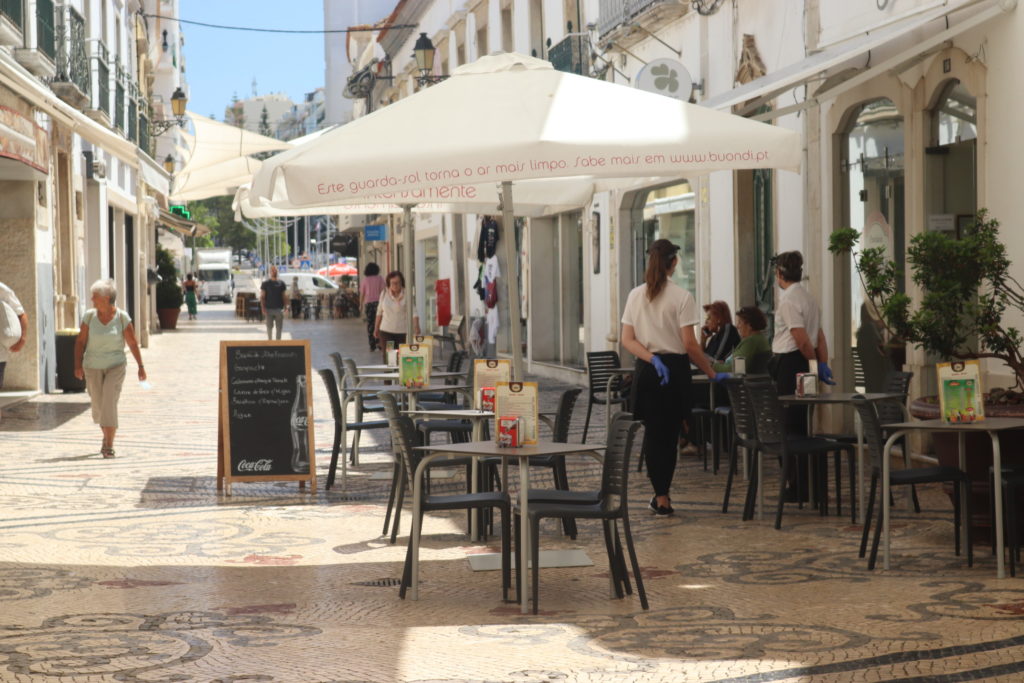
(665,78)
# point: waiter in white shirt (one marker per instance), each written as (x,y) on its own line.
(657,328)
(799,343)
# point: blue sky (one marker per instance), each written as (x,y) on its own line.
(221,63)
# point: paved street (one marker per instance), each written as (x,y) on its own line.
(135,569)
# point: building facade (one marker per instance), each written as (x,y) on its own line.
(81,188)
(904,108)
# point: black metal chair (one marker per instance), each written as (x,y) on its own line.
(339,418)
(599,367)
(403,438)
(611,507)
(874,440)
(744,424)
(773,440)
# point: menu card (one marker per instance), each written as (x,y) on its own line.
(487,373)
(413,365)
(519,400)
(426,341)
(960,395)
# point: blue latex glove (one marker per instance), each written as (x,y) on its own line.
(721,376)
(825,373)
(660,368)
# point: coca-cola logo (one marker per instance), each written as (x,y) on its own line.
(300,421)
(261,465)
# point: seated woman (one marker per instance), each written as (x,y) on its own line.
(718,336)
(754,347)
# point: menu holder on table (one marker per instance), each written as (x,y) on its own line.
(517,400)
(960,393)
(413,365)
(486,374)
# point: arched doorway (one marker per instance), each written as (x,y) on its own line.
(872,164)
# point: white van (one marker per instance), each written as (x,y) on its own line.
(310,284)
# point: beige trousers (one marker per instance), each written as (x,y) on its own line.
(104,390)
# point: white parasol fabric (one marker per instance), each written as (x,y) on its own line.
(509,117)
(214,142)
(215,180)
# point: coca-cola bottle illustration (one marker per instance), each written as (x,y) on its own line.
(300,428)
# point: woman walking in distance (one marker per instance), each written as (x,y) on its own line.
(657,328)
(191,294)
(100,358)
(370,289)
(391,324)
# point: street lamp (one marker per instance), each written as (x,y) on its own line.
(169,164)
(179,101)
(424,51)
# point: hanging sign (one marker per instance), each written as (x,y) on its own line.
(665,77)
(443,289)
(375,233)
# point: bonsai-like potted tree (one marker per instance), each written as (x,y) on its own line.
(169,296)
(966,290)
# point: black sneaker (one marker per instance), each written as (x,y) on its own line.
(659,510)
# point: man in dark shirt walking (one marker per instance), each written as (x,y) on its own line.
(273,299)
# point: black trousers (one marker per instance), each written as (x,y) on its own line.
(662,410)
(371,322)
(386,337)
(783,368)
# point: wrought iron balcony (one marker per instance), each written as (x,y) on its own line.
(119,99)
(101,69)
(71,82)
(571,54)
(145,116)
(615,13)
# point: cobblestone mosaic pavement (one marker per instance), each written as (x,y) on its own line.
(135,569)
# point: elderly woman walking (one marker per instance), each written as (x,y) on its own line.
(100,357)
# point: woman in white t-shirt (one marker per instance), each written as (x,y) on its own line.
(657,328)
(392,324)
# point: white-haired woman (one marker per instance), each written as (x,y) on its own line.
(100,357)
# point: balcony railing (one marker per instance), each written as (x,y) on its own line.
(571,54)
(72,60)
(145,115)
(101,64)
(614,13)
(46,39)
(14,12)
(133,120)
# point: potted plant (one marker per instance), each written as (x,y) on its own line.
(967,289)
(169,296)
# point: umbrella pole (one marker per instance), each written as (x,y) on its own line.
(409,240)
(511,280)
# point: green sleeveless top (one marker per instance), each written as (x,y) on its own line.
(105,348)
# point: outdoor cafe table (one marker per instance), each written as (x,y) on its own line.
(992,426)
(390,376)
(477,417)
(844,398)
(349,394)
(383,367)
(484,449)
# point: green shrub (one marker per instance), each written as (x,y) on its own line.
(168,291)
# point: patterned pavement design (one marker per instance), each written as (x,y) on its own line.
(135,569)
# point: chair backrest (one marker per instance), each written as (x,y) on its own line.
(615,468)
(349,380)
(403,433)
(874,440)
(339,367)
(895,383)
(455,361)
(332,392)
(599,366)
(560,431)
(758,365)
(768,411)
(743,418)
(859,380)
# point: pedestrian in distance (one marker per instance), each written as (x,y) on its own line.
(370,289)
(391,325)
(296,298)
(657,328)
(191,295)
(13,327)
(100,359)
(273,296)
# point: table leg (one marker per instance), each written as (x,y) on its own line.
(886,454)
(859,429)
(474,518)
(997,469)
(524,534)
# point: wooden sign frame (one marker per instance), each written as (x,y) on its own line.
(224,475)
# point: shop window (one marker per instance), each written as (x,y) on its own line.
(428,269)
(874,205)
(556,263)
(669,214)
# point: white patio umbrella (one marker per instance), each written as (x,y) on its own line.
(510,117)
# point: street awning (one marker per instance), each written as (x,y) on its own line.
(180,225)
(821,65)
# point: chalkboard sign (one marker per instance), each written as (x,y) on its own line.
(266,411)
